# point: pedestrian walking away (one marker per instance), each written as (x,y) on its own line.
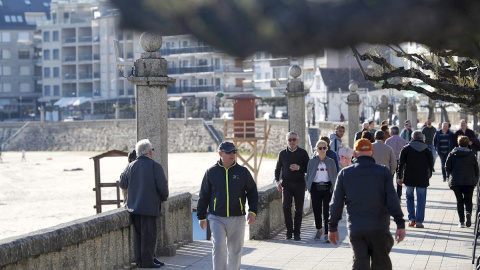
(444,142)
(225,189)
(321,176)
(383,154)
(429,132)
(146,187)
(415,169)
(397,144)
(291,167)
(367,190)
(462,166)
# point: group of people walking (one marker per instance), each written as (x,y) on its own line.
(362,179)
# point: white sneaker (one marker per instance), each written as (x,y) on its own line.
(461,225)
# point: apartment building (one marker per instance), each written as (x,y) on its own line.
(19,76)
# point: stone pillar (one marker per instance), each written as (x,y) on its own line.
(412,112)
(151,81)
(117,111)
(402,113)
(383,108)
(296,105)
(353,102)
(42,114)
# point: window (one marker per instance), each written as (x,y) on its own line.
(113,86)
(7,87)
(6,71)
(24,70)
(19,18)
(239,82)
(258,76)
(56,54)
(103,50)
(46,72)
(56,72)
(112,49)
(185,44)
(23,37)
(46,55)
(5,54)
(56,90)
(104,86)
(217,63)
(7,18)
(46,36)
(202,62)
(23,54)
(5,36)
(112,67)
(267,75)
(46,90)
(25,87)
(104,68)
(55,36)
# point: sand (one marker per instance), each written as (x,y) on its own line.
(44,191)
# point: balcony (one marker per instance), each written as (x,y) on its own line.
(96,57)
(85,39)
(70,58)
(129,55)
(170,51)
(69,40)
(190,89)
(85,76)
(183,70)
(69,76)
(229,68)
(85,57)
(96,75)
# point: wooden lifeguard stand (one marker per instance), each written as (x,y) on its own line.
(243,130)
(99,185)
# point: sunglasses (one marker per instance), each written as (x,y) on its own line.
(153,149)
(322,148)
(231,152)
(292,139)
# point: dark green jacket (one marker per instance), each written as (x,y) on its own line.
(224,192)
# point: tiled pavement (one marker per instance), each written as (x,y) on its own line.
(440,245)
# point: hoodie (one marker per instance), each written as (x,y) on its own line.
(462,166)
(335,142)
(416,164)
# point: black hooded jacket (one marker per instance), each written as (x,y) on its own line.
(462,166)
(416,164)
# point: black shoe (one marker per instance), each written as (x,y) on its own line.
(288,236)
(297,238)
(155,260)
(153,265)
(469,220)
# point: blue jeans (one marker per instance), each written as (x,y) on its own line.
(417,215)
(443,159)
(434,152)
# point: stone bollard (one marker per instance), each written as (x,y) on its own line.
(383,108)
(412,112)
(353,102)
(296,105)
(402,113)
(42,114)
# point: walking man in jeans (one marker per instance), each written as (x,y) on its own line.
(444,142)
(415,169)
(291,167)
(367,190)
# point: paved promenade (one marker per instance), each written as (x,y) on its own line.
(440,245)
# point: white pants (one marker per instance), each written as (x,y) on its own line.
(227,238)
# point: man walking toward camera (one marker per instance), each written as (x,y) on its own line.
(291,167)
(225,188)
(367,190)
(147,188)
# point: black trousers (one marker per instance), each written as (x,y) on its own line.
(320,204)
(144,238)
(371,251)
(443,160)
(293,191)
(464,196)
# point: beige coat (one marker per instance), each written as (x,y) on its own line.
(384,155)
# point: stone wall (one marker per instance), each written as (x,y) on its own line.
(103,241)
(270,220)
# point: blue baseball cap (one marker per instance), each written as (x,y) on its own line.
(226,147)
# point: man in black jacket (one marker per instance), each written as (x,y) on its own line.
(225,188)
(367,190)
(291,168)
(415,169)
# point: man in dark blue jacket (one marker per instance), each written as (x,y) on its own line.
(147,188)
(367,190)
(444,142)
(225,188)
(291,167)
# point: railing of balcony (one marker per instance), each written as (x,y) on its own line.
(96,75)
(85,75)
(197,69)
(96,57)
(85,39)
(69,40)
(69,76)
(190,89)
(70,58)
(85,57)
(170,51)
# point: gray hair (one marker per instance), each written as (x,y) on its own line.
(417,135)
(143,147)
(365,125)
(379,135)
(290,133)
(394,130)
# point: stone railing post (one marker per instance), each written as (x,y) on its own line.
(151,81)
(296,105)
(402,113)
(383,108)
(42,114)
(412,112)
(353,102)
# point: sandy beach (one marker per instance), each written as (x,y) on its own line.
(44,191)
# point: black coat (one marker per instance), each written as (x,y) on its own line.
(416,164)
(463,167)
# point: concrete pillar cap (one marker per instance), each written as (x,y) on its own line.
(295,71)
(150,42)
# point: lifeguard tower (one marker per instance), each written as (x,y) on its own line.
(245,132)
